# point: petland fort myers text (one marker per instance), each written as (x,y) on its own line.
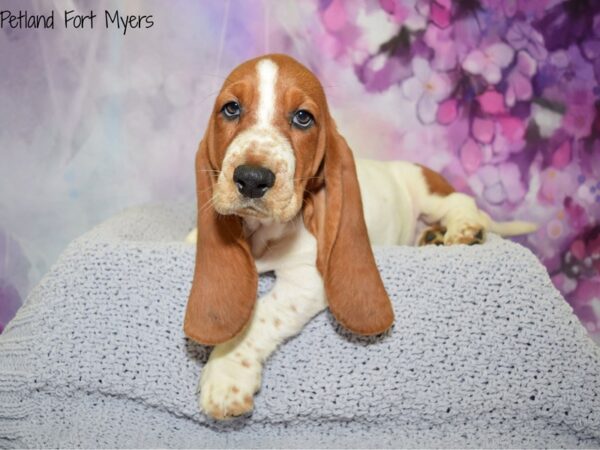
(71,19)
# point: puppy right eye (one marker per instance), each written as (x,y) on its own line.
(231,110)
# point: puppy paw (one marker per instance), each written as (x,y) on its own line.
(227,387)
(192,236)
(433,235)
(469,233)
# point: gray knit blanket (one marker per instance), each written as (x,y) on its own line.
(484,353)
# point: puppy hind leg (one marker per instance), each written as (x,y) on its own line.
(459,214)
(455,212)
(432,235)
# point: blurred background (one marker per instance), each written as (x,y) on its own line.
(501,96)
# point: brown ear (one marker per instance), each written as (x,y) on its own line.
(345,259)
(225,281)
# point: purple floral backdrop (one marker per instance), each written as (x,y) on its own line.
(501,96)
(510,89)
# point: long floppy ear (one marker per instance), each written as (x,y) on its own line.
(225,281)
(345,259)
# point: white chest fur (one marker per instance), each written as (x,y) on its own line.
(261,233)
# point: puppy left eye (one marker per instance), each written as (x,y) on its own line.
(302,119)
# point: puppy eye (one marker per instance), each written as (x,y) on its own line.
(231,110)
(302,119)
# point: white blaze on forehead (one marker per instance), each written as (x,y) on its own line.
(267,77)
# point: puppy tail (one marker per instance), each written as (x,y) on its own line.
(512,228)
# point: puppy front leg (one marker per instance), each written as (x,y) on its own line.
(233,372)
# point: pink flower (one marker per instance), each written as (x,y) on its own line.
(379,72)
(509,135)
(410,13)
(339,37)
(445,47)
(502,183)
(427,88)
(470,156)
(334,17)
(512,128)
(562,155)
(522,36)
(466,34)
(489,62)
(519,79)
(510,176)
(492,191)
(483,130)
(330,45)
(504,134)
(580,113)
(491,102)
(447,111)
(439,13)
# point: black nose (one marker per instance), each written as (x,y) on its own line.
(253,181)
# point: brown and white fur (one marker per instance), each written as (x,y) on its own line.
(313,227)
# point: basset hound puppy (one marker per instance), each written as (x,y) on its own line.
(278,190)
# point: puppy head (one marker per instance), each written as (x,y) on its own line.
(267,124)
(271,150)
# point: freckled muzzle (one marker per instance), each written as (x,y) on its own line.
(257,177)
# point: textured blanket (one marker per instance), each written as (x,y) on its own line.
(484,353)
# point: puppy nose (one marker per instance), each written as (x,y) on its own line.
(253,181)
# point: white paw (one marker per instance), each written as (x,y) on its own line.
(468,232)
(227,386)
